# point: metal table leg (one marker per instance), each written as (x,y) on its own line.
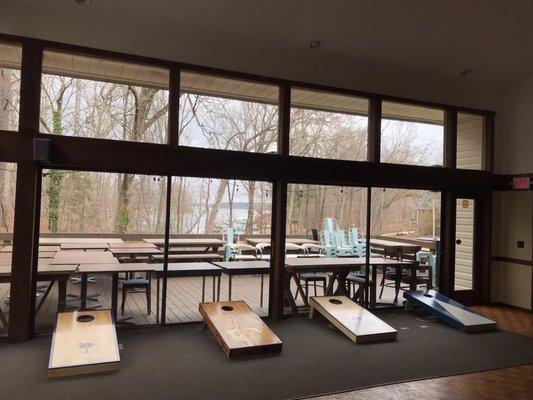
(203,289)
(262,286)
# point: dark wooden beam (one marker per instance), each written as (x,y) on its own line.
(447,243)
(450,138)
(24,260)
(277,260)
(284,119)
(30,88)
(487,161)
(145,158)
(374,130)
(173,106)
(25,232)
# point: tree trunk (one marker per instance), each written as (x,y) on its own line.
(249,229)
(216,206)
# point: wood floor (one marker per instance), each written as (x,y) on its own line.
(184,296)
(509,383)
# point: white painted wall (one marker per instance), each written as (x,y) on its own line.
(513,211)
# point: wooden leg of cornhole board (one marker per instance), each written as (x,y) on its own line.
(84,342)
(359,324)
(449,311)
(238,329)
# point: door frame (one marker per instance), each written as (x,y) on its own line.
(480,293)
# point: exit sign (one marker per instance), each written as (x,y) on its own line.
(521,183)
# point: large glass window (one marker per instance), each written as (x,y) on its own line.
(328,125)
(10,60)
(8,179)
(470,141)
(412,135)
(103,99)
(405,224)
(324,222)
(219,246)
(228,114)
(92,232)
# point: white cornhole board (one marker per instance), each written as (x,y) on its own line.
(359,324)
(84,342)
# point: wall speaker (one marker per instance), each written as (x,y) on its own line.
(41,149)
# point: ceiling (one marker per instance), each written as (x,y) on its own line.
(436,39)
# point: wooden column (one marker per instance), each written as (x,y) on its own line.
(25,232)
(487,160)
(173,106)
(279,211)
(447,243)
(374,130)
(450,138)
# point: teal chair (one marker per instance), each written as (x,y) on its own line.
(358,244)
(234,249)
(428,258)
(343,248)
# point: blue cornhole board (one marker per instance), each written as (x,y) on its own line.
(449,311)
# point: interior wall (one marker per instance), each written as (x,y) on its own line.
(513,211)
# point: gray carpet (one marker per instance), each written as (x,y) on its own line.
(186,362)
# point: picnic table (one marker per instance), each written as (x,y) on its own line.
(232,268)
(340,268)
(190,269)
(133,252)
(9,249)
(298,241)
(85,246)
(45,273)
(206,243)
(83,257)
(389,246)
(57,241)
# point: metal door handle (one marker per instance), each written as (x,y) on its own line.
(458,241)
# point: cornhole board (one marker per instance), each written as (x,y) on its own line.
(449,311)
(238,329)
(359,324)
(84,342)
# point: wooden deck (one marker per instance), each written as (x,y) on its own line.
(184,295)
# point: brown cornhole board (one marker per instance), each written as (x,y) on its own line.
(238,329)
(84,342)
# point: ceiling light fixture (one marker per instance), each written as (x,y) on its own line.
(466,72)
(314,44)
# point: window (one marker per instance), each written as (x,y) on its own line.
(217,220)
(405,222)
(412,135)
(10,61)
(228,114)
(470,141)
(96,218)
(103,99)
(328,125)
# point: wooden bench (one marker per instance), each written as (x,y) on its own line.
(238,329)
(84,342)
(188,257)
(359,324)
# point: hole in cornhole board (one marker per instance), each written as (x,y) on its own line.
(85,318)
(227,308)
(335,301)
(428,295)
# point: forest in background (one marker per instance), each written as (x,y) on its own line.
(127,203)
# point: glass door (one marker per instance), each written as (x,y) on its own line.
(467,247)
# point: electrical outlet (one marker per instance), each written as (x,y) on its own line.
(520,244)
